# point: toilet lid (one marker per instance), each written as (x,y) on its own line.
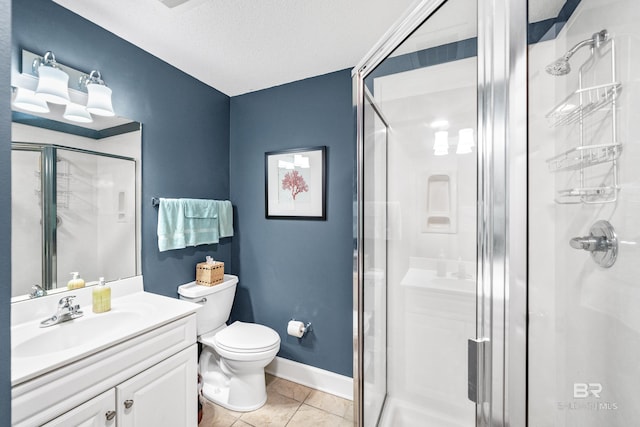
(247,337)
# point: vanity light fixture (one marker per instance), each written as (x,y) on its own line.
(52,81)
(465,141)
(77,113)
(27,100)
(441,144)
(99,95)
(44,80)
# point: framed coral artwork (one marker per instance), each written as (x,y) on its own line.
(295,183)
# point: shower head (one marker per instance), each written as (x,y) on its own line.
(561,67)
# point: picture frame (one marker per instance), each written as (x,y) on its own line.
(295,183)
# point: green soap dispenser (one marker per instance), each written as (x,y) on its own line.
(101,297)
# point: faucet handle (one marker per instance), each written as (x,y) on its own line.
(37,291)
(66,301)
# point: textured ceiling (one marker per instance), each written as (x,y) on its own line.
(239,46)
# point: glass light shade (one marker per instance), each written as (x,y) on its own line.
(282,164)
(301,161)
(441,152)
(77,113)
(52,85)
(442,141)
(27,100)
(465,141)
(99,100)
(439,124)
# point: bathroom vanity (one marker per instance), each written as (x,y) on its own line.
(135,365)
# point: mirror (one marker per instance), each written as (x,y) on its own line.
(75,200)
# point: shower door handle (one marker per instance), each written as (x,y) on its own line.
(478,353)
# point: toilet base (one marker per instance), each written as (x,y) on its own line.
(220,396)
(228,387)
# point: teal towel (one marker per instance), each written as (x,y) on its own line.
(225,218)
(170,225)
(192,222)
(200,222)
(200,208)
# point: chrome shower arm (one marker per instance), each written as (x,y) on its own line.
(594,41)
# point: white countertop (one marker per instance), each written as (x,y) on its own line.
(37,350)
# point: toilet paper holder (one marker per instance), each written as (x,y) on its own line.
(305,328)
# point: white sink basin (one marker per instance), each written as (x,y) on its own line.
(36,350)
(73,333)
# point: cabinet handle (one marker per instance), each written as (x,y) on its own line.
(110,415)
(128,403)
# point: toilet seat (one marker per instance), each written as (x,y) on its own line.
(241,337)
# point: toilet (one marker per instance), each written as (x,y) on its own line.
(233,357)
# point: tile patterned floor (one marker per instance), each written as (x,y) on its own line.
(288,404)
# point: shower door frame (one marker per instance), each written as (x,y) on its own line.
(501,300)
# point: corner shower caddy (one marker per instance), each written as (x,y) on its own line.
(577,108)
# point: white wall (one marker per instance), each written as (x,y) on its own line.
(26,259)
(584,322)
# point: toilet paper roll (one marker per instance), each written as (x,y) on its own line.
(295,328)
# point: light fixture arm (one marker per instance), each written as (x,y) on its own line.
(94,77)
(48,60)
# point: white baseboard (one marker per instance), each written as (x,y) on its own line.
(311,376)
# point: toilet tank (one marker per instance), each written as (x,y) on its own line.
(216,302)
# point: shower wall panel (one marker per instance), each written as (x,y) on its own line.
(584,333)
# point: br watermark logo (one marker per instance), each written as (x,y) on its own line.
(584,390)
(587,396)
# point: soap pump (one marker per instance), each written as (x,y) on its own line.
(101,297)
(76,282)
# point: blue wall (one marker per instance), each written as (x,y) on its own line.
(286,268)
(185,124)
(296,268)
(5,213)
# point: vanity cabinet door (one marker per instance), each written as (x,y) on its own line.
(164,395)
(97,412)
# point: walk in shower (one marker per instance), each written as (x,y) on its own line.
(497,243)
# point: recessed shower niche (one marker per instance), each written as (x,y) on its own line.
(440,204)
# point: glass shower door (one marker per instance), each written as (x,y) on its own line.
(375,263)
(96,232)
(418,225)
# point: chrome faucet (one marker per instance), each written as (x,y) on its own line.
(66,311)
(37,291)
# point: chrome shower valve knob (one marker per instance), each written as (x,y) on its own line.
(602,242)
